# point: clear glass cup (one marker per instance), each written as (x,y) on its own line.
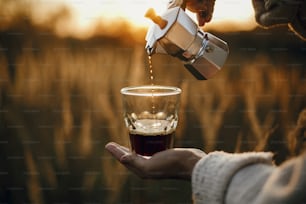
(151,116)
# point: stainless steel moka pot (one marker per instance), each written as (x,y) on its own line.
(176,34)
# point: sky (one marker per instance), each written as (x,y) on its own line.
(229,15)
(239,12)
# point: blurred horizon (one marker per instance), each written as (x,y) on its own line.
(60,101)
(83,20)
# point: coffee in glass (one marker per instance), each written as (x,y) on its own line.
(150,114)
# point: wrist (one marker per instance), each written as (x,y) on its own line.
(188,162)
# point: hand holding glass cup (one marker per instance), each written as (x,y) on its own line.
(151,117)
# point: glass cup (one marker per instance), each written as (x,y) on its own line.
(151,116)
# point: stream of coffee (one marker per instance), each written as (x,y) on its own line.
(152,81)
(151,70)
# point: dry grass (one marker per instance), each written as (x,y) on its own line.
(64,106)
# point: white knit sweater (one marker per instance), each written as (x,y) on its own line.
(248,178)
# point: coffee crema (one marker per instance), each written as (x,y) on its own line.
(150,136)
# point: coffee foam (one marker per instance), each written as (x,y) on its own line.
(151,127)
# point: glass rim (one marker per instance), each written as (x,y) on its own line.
(148,90)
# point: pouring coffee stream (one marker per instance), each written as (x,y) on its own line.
(176,34)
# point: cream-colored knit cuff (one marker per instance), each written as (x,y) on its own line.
(212,174)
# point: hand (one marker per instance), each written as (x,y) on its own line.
(203,8)
(275,12)
(176,163)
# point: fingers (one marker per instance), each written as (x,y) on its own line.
(136,164)
(160,165)
(275,16)
(259,8)
(274,12)
(117,150)
(132,161)
(202,18)
(175,3)
(269,4)
(172,163)
(203,8)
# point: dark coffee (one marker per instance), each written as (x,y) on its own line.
(147,145)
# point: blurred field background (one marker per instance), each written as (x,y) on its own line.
(60,104)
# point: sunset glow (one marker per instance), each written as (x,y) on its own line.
(82,17)
(239,12)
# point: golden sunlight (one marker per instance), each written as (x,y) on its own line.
(229,15)
(233,15)
(82,18)
(87,13)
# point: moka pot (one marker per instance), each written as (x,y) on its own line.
(176,34)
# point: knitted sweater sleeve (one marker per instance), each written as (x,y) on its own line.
(213,173)
(248,178)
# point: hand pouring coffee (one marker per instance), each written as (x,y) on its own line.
(176,34)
